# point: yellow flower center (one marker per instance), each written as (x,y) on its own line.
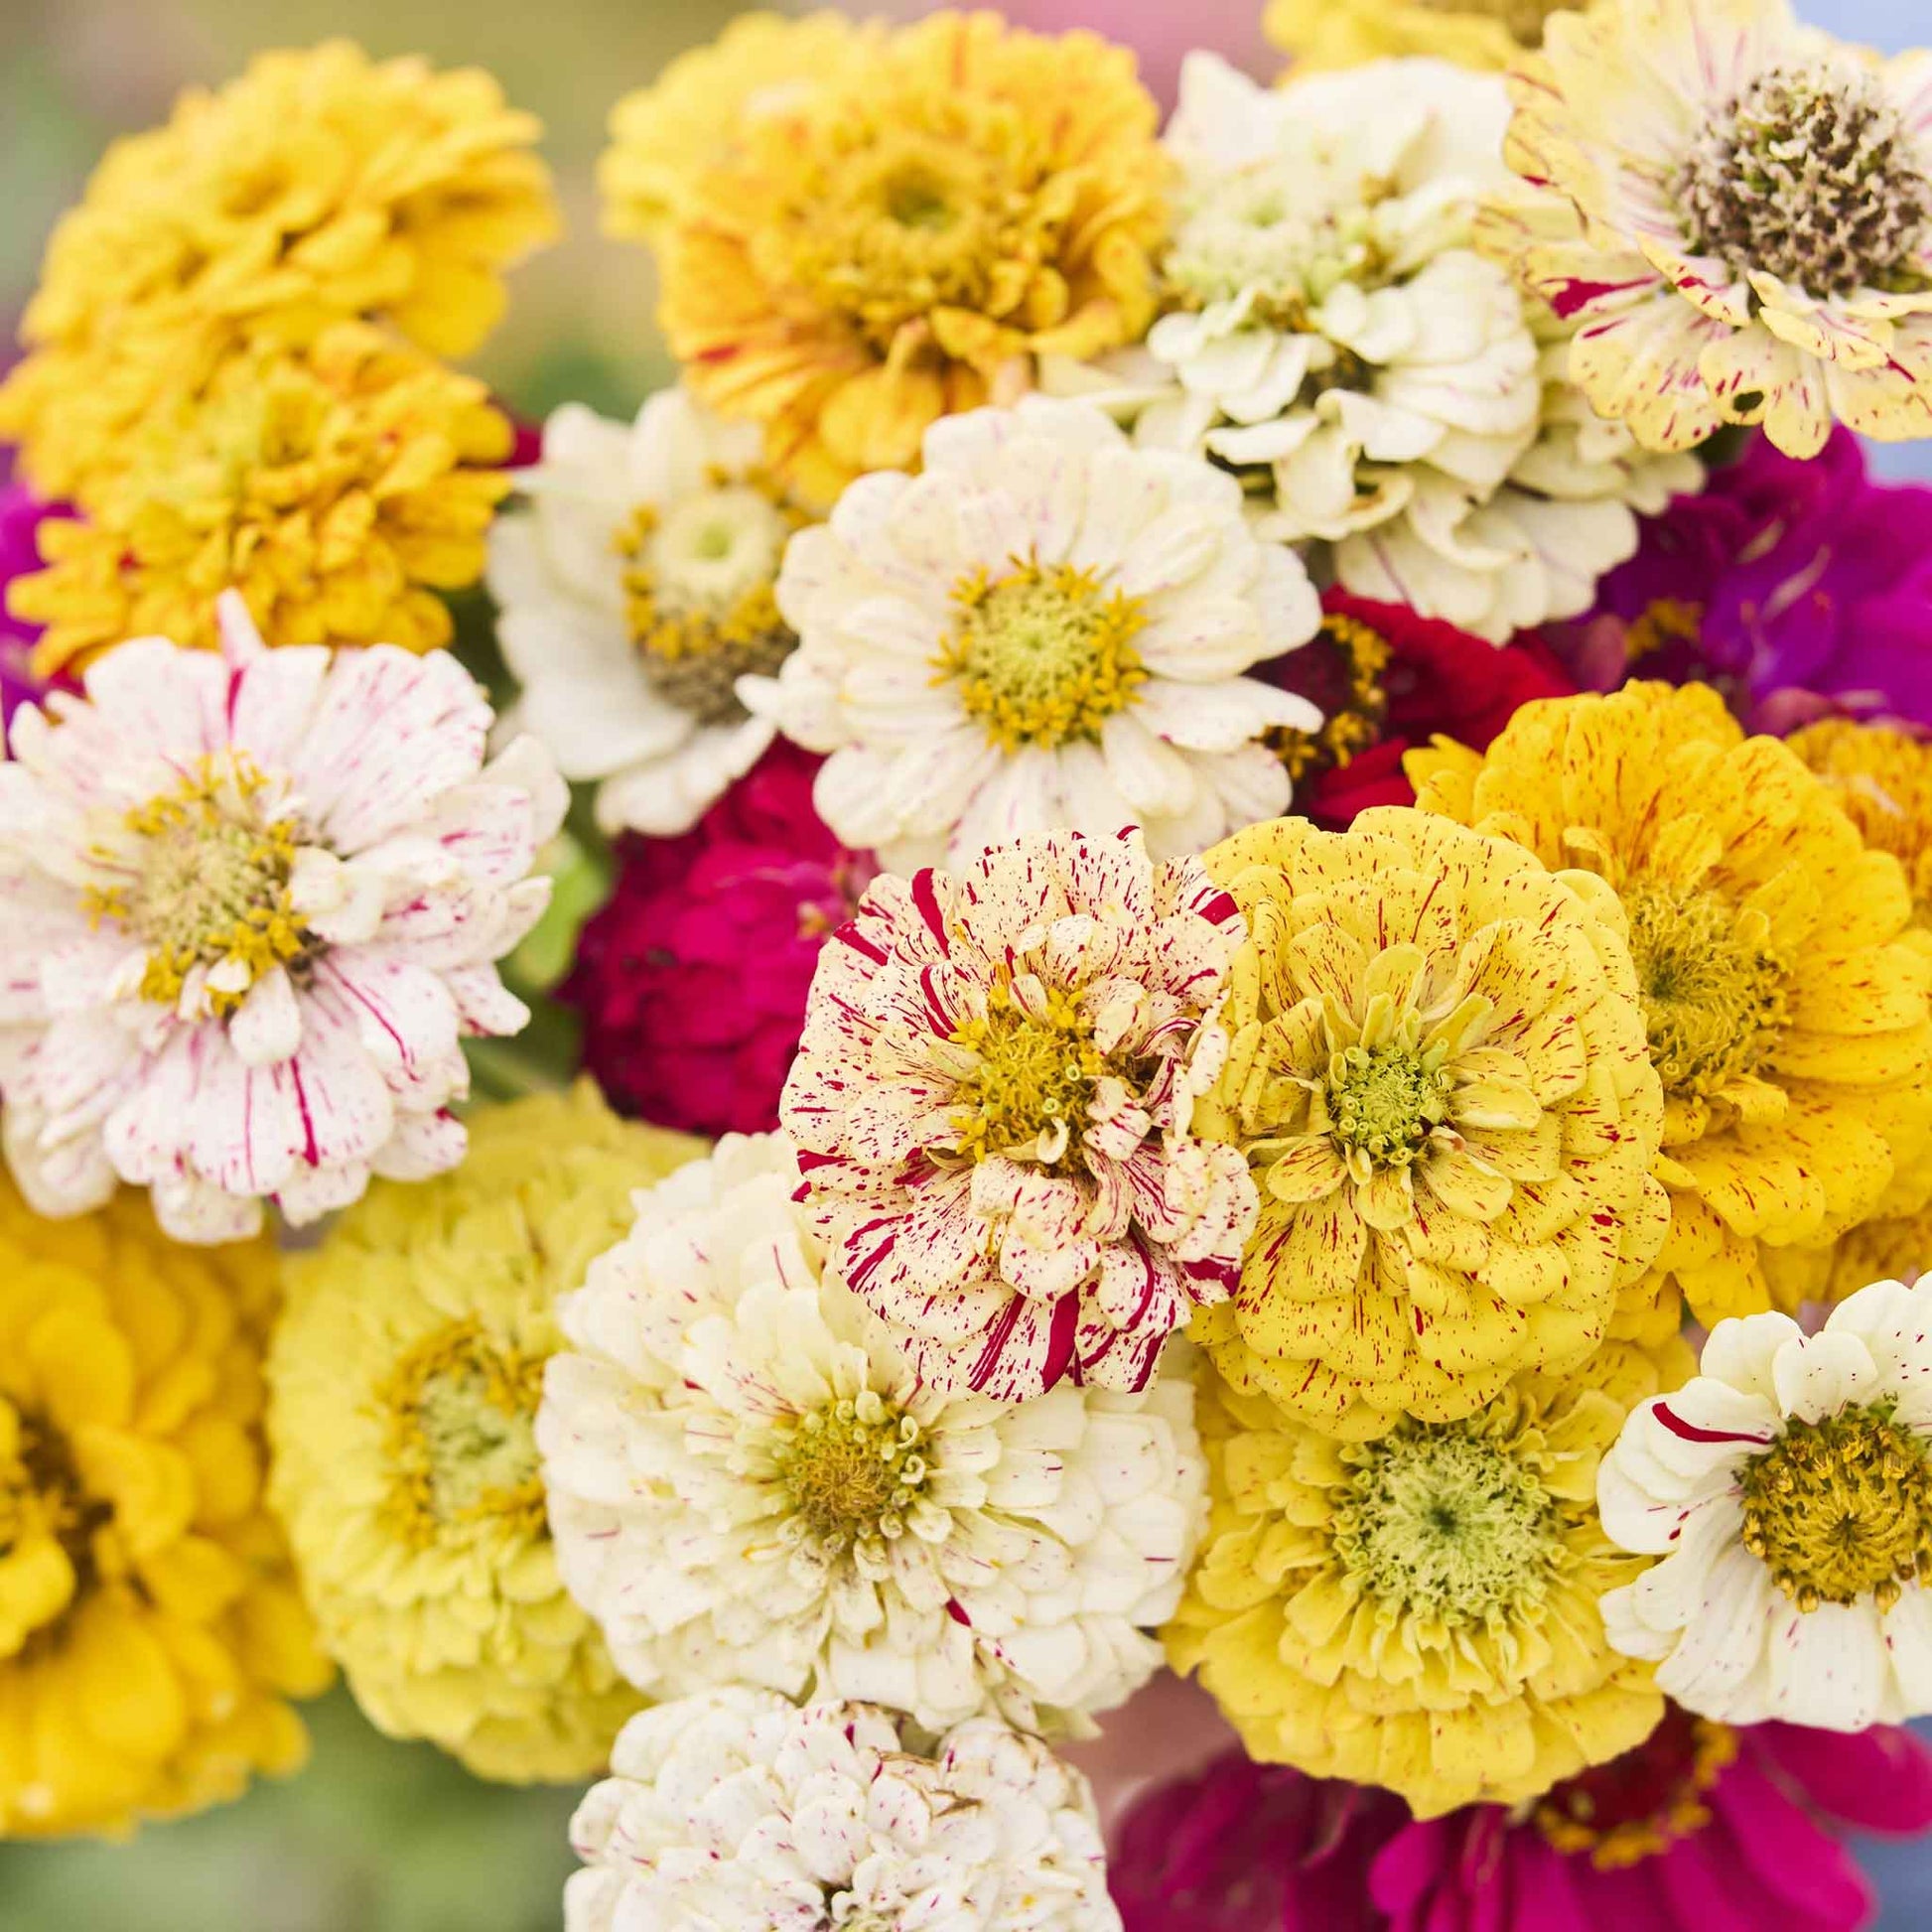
(1034,1075)
(851,1471)
(1665,621)
(42,1496)
(1523,21)
(1838,1508)
(1385,1101)
(1713,991)
(1042,655)
(1442,1522)
(210,884)
(461,1440)
(700,597)
(1339,671)
(1643,1802)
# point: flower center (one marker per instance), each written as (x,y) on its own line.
(1839,1507)
(851,1470)
(1384,1102)
(1340,671)
(1643,1802)
(698,594)
(1713,991)
(462,1434)
(207,885)
(1441,1523)
(1264,233)
(1028,1093)
(1042,655)
(42,1498)
(1522,19)
(1808,173)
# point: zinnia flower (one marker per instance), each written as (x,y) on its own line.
(1786,1493)
(1783,1003)
(994,1097)
(1736,214)
(252,906)
(736,1810)
(1700,1829)
(692,978)
(636,590)
(1422,1611)
(317,187)
(750,1484)
(1482,33)
(405,1374)
(150,1628)
(1439,1078)
(338,489)
(1046,629)
(891,236)
(1882,781)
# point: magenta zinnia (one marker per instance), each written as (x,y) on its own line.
(993,1102)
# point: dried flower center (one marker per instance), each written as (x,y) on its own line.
(1385,1101)
(1641,1802)
(699,593)
(1340,671)
(207,885)
(1808,173)
(1029,1091)
(1441,1522)
(461,1440)
(43,1498)
(851,1471)
(1838,1508)
(1042,655)
(1713,991)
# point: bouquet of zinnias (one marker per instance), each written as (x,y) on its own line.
(1238,821)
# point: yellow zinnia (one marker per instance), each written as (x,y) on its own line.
(1784,1002)
(150,1628)
(318,186)
(1882,781)
(1421,1611)
(337,488)
(887,241)
(1486,35)
(1438,1073)
(404,1380)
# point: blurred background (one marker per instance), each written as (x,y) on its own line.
(380,1837)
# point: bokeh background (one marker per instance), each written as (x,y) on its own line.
(376,1836)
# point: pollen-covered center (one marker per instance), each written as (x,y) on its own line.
(1340,670)
(47,1527)
(1043,655)
(1643,1802)
(700,598)
(1840,1507)
(851,1471)
(462,1440)
(1385,1101)
(1031,1078)
(1442,1523)
(1711,988)
(202,877)
(1810,174)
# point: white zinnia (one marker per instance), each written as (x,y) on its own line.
(746,1483)
(249,907)
(735,1812)
(635,587)
(1787,1491)
(1043,631)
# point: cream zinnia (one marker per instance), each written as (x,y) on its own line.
(749,1484)
(252,905)
(995,1097)
(1045,629)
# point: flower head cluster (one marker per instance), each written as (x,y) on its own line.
(636,590)
(885,233)
(1783,999)
(405,1375)
(150,1628)
(750,1484)
(318,187)
(736,1810)
(1735,214)
(1046,629)
(1019,1192)
(1437,1076)
(252,906)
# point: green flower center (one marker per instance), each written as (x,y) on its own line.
(1442,1523)
(1032,1082)
(851,1471)
(1841,1507)
(1712,992)
(1385,1101)
(1811,176)
(1042,655)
